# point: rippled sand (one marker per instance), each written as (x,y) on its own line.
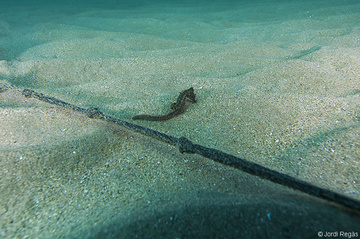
(277,84)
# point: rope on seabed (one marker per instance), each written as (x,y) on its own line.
(186,146)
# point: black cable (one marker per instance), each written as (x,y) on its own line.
(186,146)
(268,174)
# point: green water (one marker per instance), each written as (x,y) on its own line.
(171,24)
(277,83)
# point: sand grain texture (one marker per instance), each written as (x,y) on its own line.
(276,84)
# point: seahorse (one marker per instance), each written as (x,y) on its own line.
(178,108)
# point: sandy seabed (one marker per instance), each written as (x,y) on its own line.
(278,85)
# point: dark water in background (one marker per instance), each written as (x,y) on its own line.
(19,18)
